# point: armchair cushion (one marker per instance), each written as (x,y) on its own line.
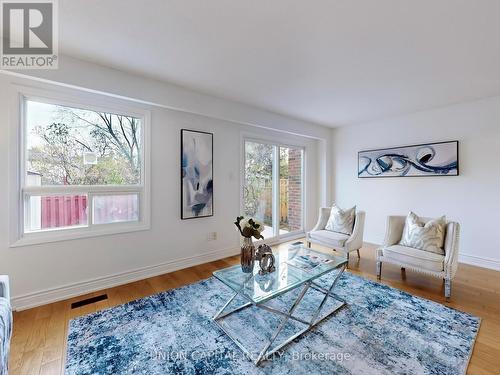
(427,236)
(341,221)
(326,236)
(414,257)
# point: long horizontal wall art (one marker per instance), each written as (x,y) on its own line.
(431,159)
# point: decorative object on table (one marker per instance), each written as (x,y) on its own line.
(341,242)
(196,174)
(431,159)
(306,259)
(425,255)
(248,228)
(247,258)
(266,259)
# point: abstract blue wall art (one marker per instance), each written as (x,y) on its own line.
(431,159)
(197,187)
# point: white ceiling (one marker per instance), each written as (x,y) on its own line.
(333,62)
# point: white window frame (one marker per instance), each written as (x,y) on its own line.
(19,191)
(250,138)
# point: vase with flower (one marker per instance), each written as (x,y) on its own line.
(249,228)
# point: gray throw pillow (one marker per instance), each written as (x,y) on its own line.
(428,236)
(341,221)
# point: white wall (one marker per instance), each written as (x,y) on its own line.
(473,198)
(45,272)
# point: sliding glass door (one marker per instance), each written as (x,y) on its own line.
(258,189)
(273,187)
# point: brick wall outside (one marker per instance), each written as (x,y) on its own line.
(294,189)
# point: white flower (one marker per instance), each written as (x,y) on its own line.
(244,223)
(261,225)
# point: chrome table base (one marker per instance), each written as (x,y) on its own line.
(266,352)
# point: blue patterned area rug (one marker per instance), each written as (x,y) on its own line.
(382,330)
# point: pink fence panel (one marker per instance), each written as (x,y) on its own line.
(71,210)
(115,208)
(63,211)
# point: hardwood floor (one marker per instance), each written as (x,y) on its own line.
(39,337)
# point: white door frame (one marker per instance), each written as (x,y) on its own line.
(276,185)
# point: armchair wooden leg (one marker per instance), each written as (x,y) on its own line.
(379,270)
(308,244)
(347,260)
(447,289)
(358,254)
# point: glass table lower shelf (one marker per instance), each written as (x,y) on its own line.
(296,267)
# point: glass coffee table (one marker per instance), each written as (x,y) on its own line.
(296,267)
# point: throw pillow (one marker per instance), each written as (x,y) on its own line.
(341,221)
(428,236)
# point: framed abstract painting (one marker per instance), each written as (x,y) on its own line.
(197,187)
(431,159)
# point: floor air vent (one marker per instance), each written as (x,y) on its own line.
(88,301)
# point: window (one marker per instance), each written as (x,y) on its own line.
(273,187)
(82,171)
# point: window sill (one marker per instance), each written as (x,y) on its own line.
(37,238)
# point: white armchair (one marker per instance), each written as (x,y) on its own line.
(432,264)
(338,241)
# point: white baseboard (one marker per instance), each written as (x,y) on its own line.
(483,262)
(44,297)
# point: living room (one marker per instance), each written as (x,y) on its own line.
(238,187)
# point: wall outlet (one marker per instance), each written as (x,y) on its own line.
(212,236)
